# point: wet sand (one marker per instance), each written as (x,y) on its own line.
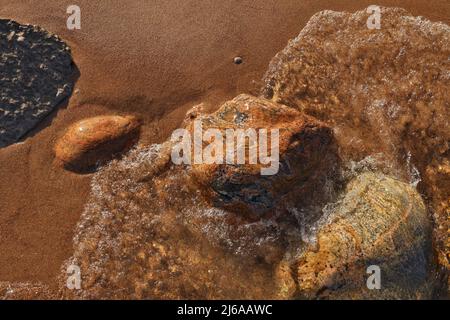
(151,59)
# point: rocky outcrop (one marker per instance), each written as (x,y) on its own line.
(384,91)
(304,161)
(380,221)
(209,230)
(93,141)
(37,74)
(155,237)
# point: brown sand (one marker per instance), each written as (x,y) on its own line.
(155,60)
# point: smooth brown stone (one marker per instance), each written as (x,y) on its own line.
(380,221)
(93,141)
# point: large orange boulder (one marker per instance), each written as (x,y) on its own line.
(301,164)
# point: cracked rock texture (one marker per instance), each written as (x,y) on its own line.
(36,74)
(308,159)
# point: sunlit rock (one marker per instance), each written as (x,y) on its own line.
(93,141)
(380,222)
(280,152)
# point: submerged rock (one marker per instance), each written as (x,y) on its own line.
(93,141)
(303,162)
(37,73)
(380,221)
(384,91)
(156,238)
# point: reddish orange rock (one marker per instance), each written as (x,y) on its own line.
(93,141)
(305,157)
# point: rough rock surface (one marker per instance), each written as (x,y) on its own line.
(382,90)
(148,232)
(93,141)
(380,221)
(307,158)
(37,74)
(153,236)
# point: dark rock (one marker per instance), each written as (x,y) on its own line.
(36,75)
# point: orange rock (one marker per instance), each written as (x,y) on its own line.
(94,141)
(306,152)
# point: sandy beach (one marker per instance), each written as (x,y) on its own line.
(152,59)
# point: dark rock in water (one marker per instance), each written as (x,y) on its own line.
(307,157)
(93,141)
(380,221)
(36,75)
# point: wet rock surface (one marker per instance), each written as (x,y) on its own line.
(92,142)
(379,221)
(306,162)
(37,74)
(384,91)
(156,237)
(152,229)
(149,232)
